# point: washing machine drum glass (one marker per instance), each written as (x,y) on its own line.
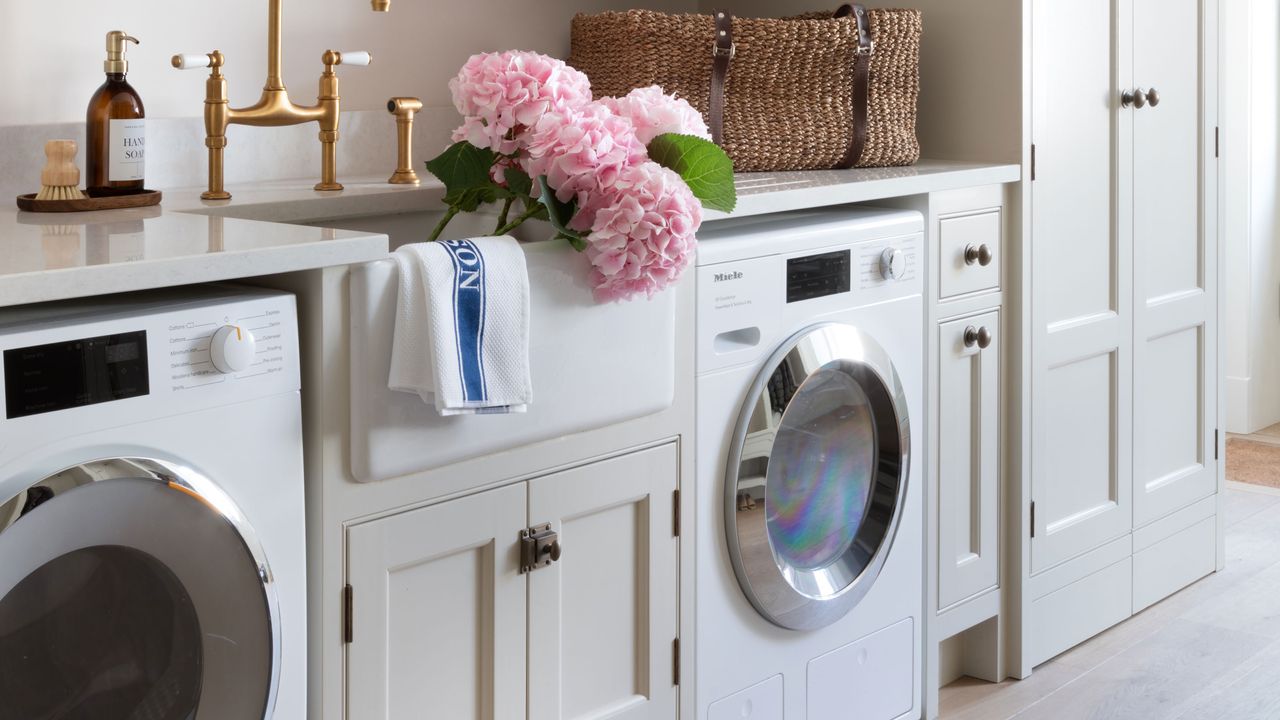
(131,588)
(816,476)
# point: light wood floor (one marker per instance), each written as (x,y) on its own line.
(1209,652)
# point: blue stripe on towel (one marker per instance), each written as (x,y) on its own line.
(468,316)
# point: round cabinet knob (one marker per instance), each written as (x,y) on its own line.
(977,336)
(893,263)
(1153,97)
(1140,98)
(1126,98)
(554,551)
(980,254)
(232,349)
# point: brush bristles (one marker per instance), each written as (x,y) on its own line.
(60,192)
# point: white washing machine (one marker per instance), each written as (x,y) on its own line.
(152,549)
(810,407)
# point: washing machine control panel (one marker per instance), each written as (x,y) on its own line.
(208,346)
(104,361)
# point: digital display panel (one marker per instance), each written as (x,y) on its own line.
(816,276)
(74,373)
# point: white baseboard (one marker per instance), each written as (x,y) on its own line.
(1238,406)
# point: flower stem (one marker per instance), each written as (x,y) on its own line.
(502,217)
(448,215)
(528,213)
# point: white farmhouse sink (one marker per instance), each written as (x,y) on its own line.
(593,365)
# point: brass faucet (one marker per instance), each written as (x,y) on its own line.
(274,108)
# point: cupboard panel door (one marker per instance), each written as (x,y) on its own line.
(968,460)
(1082,295)
(602,619)
(439,611)
(1175,279)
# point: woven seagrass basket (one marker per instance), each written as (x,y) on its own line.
(790,89)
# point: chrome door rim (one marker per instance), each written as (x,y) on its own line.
(773,591)
(200,487)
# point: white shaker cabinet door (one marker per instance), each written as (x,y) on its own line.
(439,621)
(968,457)
(1174,266)
(603,618)
(1081,256)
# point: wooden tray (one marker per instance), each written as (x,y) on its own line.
(114,202)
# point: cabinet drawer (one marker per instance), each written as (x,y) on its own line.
(966,242)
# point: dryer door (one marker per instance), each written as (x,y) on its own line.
(133,588)
(816,476)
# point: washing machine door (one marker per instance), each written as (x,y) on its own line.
(816,476)
(133,588)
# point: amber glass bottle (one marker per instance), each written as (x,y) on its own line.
(115,131)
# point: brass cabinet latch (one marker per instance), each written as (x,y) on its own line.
(539,547)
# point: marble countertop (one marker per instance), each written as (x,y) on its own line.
(53,256)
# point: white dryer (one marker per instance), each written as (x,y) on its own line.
(152,549)
(810,560)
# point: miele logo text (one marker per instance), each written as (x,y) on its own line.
(723,277)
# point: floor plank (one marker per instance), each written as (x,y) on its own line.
(1211,651)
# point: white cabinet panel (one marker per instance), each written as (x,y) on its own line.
(1081,289)
(439,616)
(603,618)
(968,460)
(1175,394)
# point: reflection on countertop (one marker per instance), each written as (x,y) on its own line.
(51,256)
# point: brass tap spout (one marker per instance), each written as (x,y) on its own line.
(274,108)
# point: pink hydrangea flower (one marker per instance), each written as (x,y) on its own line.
(643,237)
(654,112)
(582,151)
(500,94)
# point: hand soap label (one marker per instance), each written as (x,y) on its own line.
(127,139)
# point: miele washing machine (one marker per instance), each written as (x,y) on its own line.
(810,553)
(152,549)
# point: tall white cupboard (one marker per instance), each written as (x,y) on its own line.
(1120,295)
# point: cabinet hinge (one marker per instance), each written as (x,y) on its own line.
(1033,518)
(675,661)
(1033,162)
(675,513)
(1216,146)
(347,622)
(1215,443)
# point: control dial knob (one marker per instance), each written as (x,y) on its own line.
(893,263)
(232,349)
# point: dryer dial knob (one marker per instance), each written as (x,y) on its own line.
(893,263)
(232,349)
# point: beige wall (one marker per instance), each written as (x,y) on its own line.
(52,50)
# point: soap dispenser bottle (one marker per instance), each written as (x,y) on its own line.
(115,133)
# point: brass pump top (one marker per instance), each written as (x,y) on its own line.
(116,64)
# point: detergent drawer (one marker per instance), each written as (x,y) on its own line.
(592,364)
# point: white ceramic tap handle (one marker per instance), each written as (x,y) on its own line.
(356,57)
(191,61)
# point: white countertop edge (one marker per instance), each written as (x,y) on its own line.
(108,279)
(936,176)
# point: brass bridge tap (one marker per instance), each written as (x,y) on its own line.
(274,108)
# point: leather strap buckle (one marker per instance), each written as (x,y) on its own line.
(866,49)
(729,52)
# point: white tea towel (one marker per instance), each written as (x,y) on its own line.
(462,326)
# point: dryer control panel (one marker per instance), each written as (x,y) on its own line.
(149,354)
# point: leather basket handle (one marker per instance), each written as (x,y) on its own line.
(861,82)
(722,53)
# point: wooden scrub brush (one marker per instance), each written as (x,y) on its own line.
(60,179)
